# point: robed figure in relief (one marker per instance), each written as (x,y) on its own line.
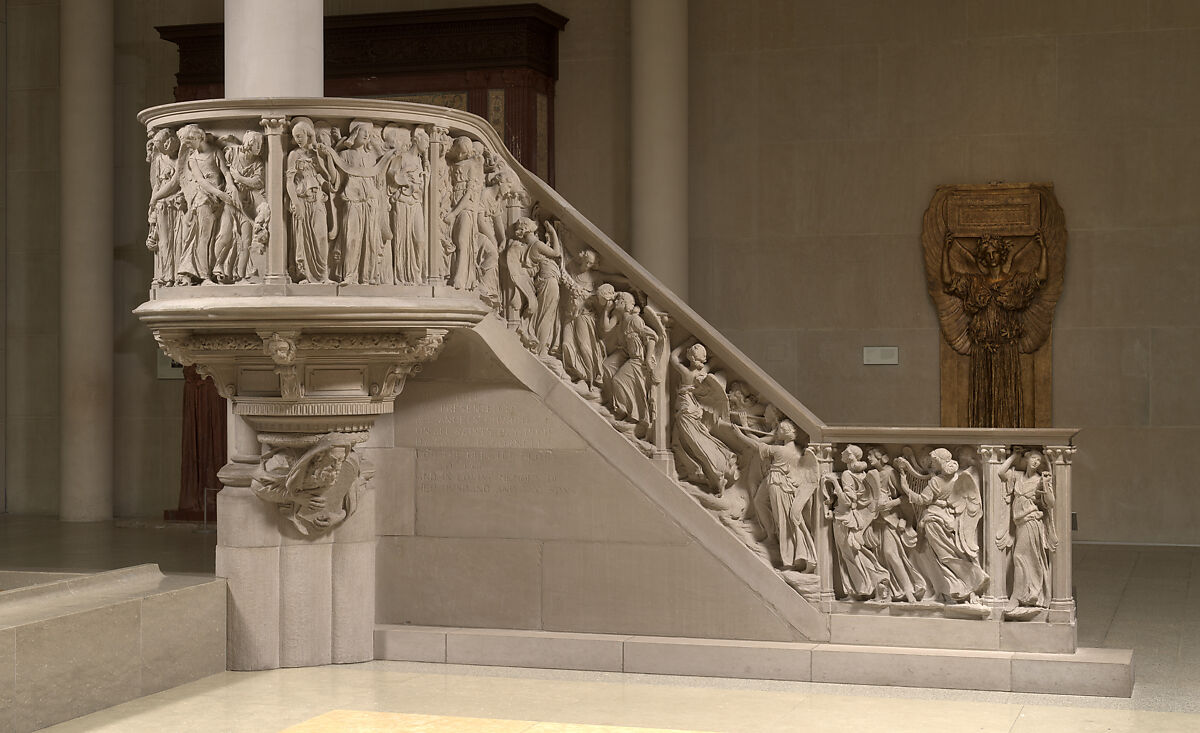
(1028,535)
(950,507)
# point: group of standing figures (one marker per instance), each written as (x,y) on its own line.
(903,530)
(910,531)
(208,214)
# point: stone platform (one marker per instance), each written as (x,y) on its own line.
(72,644)
(1103,672)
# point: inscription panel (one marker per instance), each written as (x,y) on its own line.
(533,494)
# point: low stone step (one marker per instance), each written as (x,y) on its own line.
(82,643)
(945,633)
(1105,672)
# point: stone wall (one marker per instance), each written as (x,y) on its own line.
(819,131)
(493,512)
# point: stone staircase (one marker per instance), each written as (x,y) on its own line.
(571,462)
(72,644)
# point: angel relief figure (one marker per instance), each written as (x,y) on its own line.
(863,576)
(700,402)
(892,532)
(994,261)
(995,302)
(1029,536)
(948,529)
(316,489)
(784,480)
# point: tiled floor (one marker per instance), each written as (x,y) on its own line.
(1144,598)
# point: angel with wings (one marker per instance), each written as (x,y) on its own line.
(863,576)
(994,301)
(788,480)
(892,532)
(948,526)
(1028,535)
(700,401)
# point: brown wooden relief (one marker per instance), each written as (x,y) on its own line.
(994,260)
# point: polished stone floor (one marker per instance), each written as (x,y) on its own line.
(1144,598)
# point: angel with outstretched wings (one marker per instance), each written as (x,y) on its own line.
(700,402)
(950,509)
(789,480)
(995,292)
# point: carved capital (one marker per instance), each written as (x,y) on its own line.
(993,453)
(316,479)
(438,135)
(274,125)
(823,451)
(1060,455)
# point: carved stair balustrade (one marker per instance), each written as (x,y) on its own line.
(392,217)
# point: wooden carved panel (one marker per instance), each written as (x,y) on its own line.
(994,260)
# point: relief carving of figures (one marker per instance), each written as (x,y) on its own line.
(582,350)
(315,480)
(783,480)
(994,259)
(993,299)
(1028,535)
(517,283)
(546,257)
(948,529)
(700,404)
(207,222)
(310,179)
(166,205)
(364,220)
(893,530)
(246,168)
(629,368)
(490,221)
(405,179)
(465,164)
(856,541)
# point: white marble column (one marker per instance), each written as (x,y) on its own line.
(86,260)
(1062,596)
(659,145)
(274,48)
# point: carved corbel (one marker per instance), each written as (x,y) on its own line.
(315,479)
(174,345)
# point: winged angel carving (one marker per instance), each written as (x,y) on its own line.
(950,507)
(994,266)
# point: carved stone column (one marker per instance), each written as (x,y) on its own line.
(86,263)
(659,125)
(995,518)
(276,162)
(439,137)
(274,48)
(1062,600)
(823,527)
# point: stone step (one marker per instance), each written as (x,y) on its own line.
(944,633)
(82,643)
(1104,672)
